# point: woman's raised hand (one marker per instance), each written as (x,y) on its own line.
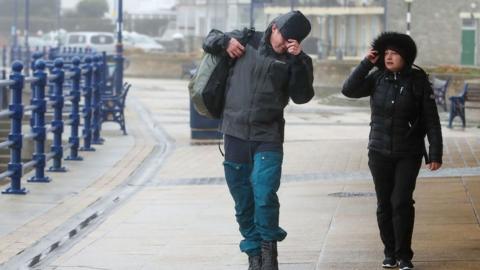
(372,56)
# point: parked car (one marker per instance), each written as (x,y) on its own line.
(134,40)
(98,41)
(172,40)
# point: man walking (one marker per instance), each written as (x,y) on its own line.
(268,71)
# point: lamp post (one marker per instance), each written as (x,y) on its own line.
(14,31)
(385,14)
(59,15)
(27,29)
(252,8)
(473,6)
(409,15)
(119,50)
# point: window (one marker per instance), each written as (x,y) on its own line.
(76,39)
(102,39)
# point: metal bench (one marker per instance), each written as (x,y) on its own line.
(468,98)
(112,107)
(440,90)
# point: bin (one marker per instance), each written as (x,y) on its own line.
(203,128)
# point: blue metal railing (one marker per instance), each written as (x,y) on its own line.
(85,80)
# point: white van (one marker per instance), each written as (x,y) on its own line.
(98,41)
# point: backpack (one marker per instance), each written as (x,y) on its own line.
(208,84)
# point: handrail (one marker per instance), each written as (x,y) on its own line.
(5,113)
(6,174)
(6,144)
(30,108)
(30,164)
(31,79)
(4,83)
(52,77)
(69,74)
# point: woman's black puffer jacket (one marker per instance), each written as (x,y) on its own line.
(403,110)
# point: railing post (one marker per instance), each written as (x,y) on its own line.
(35,57)
(74,140)
(3,90)
(57,123)
(12,54)
(96,102)
(104,73)
(4,56)
(38,122)
(15,136)
(19,53)
(87,109)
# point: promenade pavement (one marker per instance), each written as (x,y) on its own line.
(155,200)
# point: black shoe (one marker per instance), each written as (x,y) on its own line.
(255,262)
(389,262)
(269,255)
(405,265)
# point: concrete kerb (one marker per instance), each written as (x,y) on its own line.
(112,191)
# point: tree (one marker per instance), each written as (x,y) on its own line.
(92,8)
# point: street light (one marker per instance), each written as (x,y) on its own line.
(252,8)
(14,32)
(409,16)
(119,50)
(26,30)
(59,15)
(473,6)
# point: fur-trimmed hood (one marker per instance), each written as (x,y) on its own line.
(401,43)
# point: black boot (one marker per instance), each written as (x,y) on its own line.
(255,262)
(269,255)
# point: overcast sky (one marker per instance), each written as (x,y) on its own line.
(136,6)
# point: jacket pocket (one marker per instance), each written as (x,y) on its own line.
(278,74)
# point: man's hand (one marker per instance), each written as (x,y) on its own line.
(372,56)
(235,49)
(433,166)
(293,47)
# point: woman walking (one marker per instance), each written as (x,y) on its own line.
(403,111)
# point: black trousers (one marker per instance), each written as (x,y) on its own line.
(395,180)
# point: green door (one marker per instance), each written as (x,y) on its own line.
(468,47)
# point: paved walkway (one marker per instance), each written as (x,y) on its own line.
(176,213)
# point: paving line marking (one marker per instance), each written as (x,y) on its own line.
(470,200)
(325,239)
(318,177)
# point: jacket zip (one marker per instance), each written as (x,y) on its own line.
(256,74)
(393,110)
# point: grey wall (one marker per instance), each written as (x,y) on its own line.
(436,27)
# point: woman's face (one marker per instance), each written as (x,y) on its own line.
(393,61)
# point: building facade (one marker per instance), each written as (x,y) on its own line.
(446,31)
(340,28)
(197,17)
